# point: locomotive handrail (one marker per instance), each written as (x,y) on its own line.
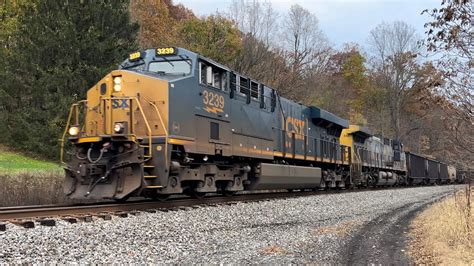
(164,128)
(73,108)
(140,108)
(147,126)
(335,150)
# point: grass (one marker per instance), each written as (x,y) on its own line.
(443,233)
(12,162)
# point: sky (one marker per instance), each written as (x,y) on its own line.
(342,21)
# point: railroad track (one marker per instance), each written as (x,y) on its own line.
(47,215)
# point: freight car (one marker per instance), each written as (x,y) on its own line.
(170,121)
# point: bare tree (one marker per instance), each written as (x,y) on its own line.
(255,18)
(394,65)
(308,52)
(257,21)
(303,38)
(451,34)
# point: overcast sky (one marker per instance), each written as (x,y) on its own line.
(341,20)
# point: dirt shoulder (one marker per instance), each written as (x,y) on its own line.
(443,233)
(384,240)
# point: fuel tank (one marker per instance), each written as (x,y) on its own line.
(277,176)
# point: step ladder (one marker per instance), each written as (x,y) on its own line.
(148,169)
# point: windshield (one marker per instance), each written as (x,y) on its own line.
(168,67)
(140,67)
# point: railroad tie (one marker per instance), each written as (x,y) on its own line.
(134,213)
(85,218)
(121,214)
(46,222)
(71,220)
(24,223)
(104,216)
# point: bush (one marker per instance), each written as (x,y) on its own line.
(32,188)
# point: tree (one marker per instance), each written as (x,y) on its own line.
(214,36)
(307,53)
(303,38)
(61,50)
(259,58)
(451,34)
(256,19)
(159,21)
(394,65)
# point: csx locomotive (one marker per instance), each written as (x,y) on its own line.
(170,121)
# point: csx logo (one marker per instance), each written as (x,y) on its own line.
(295,125)
(120,103)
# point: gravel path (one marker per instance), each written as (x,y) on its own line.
(312,229)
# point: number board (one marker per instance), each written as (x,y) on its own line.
(165,51)
(213,102)
(135,56)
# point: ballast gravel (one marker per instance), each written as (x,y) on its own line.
(309,229)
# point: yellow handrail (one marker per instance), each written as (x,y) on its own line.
(68,123)
(164,128)
(144,118)
(147,126)
(74,110)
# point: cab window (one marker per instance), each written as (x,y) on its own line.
(171,67)
(213,76)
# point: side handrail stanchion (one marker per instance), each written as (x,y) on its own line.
(73,109)
(164,128)
(147,126)
(74,113)
(68,121)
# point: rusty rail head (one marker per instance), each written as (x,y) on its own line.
(68,211)
(10,213)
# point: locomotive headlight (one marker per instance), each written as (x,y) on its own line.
(73,131)
(117,84)
(117,80)
(118,127)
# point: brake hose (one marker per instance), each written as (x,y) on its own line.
(98,158)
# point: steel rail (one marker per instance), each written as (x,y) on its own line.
(42,211)
(19,212)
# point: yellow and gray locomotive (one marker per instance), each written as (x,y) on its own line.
(170,121)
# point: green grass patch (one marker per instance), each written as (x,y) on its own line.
(12,162)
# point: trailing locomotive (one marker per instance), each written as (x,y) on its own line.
(170,121)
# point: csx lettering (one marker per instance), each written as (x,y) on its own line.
(212,99)
(119,103)
(295,125)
